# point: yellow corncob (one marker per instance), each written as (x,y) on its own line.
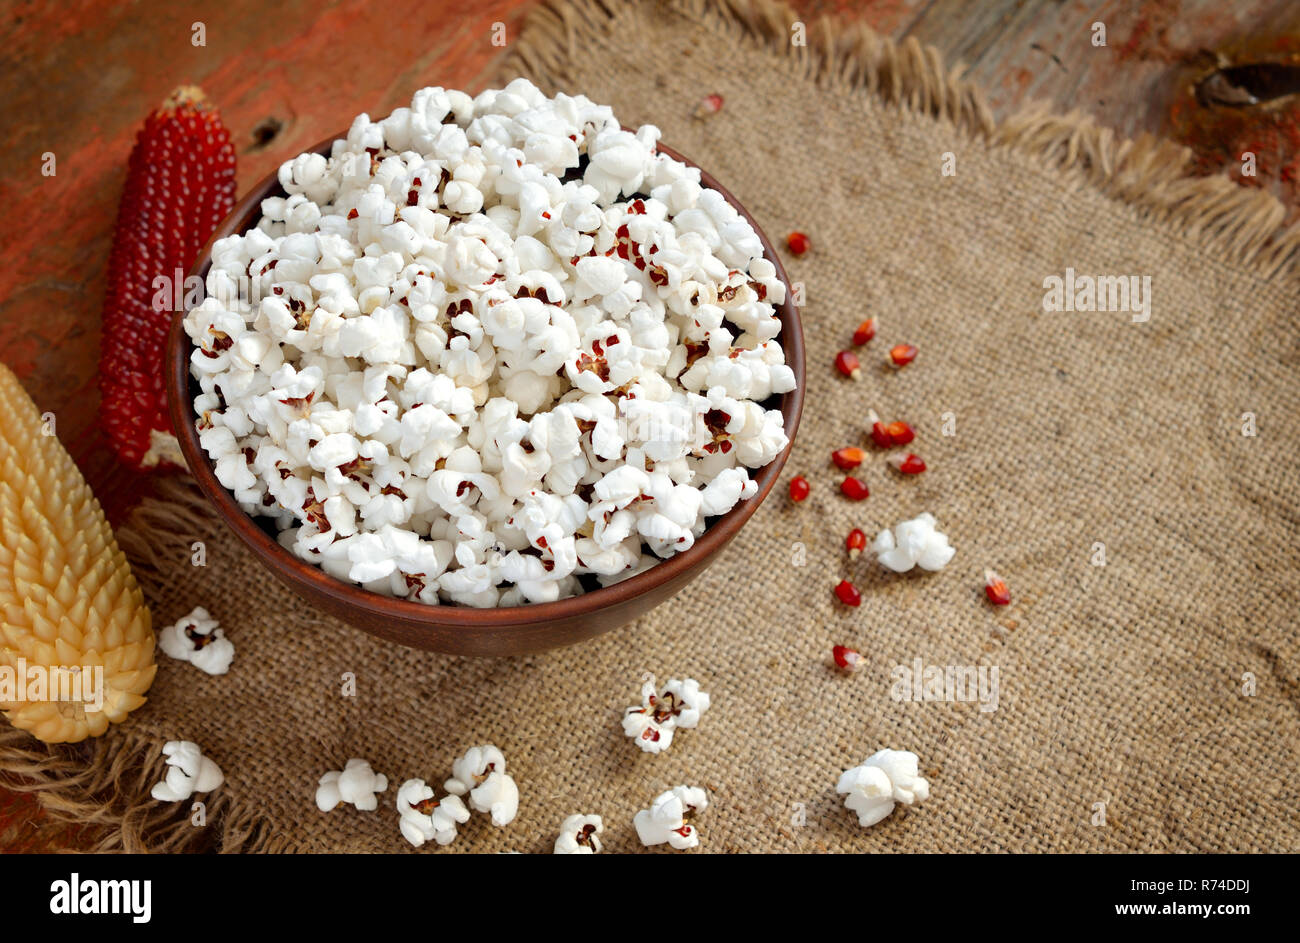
(67,596)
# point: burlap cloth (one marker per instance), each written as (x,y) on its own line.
(1120,684)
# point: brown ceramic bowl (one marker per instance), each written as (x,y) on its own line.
(461,630)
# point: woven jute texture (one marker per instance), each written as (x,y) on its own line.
(1147,667)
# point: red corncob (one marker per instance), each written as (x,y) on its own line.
(179,186)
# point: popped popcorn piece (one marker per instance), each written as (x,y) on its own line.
(667,818)
(886,778)
(678,704)
(453,373)
(198,639)
(424,818)
(913,543)
(356,784)
(188,772)
(481,773)
(579,835)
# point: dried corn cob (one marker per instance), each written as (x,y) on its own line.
(180,185)
(70,610)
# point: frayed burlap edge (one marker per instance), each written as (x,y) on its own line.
(103,786)
(101,790)
(1151,176)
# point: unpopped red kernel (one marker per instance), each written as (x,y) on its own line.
(850,457)
(900,355)
(996,589)
(709,105)
(900,433)
(799,488)
(854,489)
(847,593)
(865,332)
(908,464)
(847,363)
(798,243)
(855,543)
(847,658)
(879,431)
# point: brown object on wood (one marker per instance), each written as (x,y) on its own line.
(463,630)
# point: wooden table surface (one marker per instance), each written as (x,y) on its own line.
(77,79)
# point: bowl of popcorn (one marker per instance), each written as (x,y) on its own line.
(490,375)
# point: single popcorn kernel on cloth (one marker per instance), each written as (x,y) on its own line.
(913,543)
(68,602)
(422,817)
(481,774)
(188,772)
(885,779)
(491,351)
(356,784)
(198,639)
(667,821)
(678,704)
(580,835)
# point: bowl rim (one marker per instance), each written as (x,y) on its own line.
(306,576)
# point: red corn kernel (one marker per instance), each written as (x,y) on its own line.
(799,488)
(879,431)
(908,464)
(847,593)
(846,658)
(709,105)
(853,489)
(900,355)
(798,243)
(846,362)
(900,433)
(865,332)
(996,589)
(855,543)
(850,457)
